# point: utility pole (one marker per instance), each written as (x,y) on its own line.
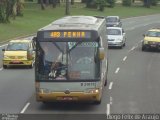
(67,8)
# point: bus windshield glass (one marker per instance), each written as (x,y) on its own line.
(68,61)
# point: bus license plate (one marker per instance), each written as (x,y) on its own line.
(67,98)
(15,61)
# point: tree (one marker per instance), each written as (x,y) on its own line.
(154,2)
(111,3)
(91,4)
(67,12)
(101,4)
(42,4)
(72,2)
(10,8)
(54,3)
(147,3)
(127,2)
(19,7)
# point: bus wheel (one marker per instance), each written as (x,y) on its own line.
(5,66)
(31,66)
(143,48)
(105,83)
(44,102)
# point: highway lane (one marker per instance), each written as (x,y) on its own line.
(116,97)
(16,87)
(136,89)
(117,57)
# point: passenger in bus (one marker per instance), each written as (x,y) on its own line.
(58,71)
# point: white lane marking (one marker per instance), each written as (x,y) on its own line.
(1,68)
(136,46)
(133,48)
(111,99)
(110,85)
(140,41)
(124,59)
(3,45)
(25,108)
(108,109)
(117,70)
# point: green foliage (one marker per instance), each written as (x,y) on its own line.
(111,3)
(10,8)
(5,10)
(154,2)
(34,18)
(126,2)
(2,13)
(101,4)
(91,4)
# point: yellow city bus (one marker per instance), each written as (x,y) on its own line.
(71,60)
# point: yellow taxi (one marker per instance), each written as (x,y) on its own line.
(151,39)
(19,52)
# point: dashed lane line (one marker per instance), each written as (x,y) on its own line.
(132,49)
(124,59)
(108,109)
(111,100)
(110,85)
(25,108)
(117,70)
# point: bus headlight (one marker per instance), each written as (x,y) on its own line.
(6,57)
(145,42)
(92,91)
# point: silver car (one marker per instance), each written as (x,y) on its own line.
(113,21)
(116,37)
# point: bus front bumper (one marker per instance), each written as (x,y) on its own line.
(61,96)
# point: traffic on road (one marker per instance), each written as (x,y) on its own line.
(132,78)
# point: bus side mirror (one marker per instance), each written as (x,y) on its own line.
(3,49)
(101,53)
(34,39)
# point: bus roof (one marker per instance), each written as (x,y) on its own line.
(75,23)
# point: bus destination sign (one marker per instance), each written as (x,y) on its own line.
(67,34)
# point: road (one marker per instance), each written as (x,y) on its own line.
(133,81)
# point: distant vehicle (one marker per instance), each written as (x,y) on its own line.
(113,21)
(18,53)
(116,37)
(71,60)
(151,39)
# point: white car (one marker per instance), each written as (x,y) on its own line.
(116,37)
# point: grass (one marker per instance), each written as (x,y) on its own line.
(34,18)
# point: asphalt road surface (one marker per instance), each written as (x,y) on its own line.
(133,82)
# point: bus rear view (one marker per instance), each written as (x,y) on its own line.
(71,62)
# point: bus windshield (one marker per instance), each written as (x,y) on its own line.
(68,61)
